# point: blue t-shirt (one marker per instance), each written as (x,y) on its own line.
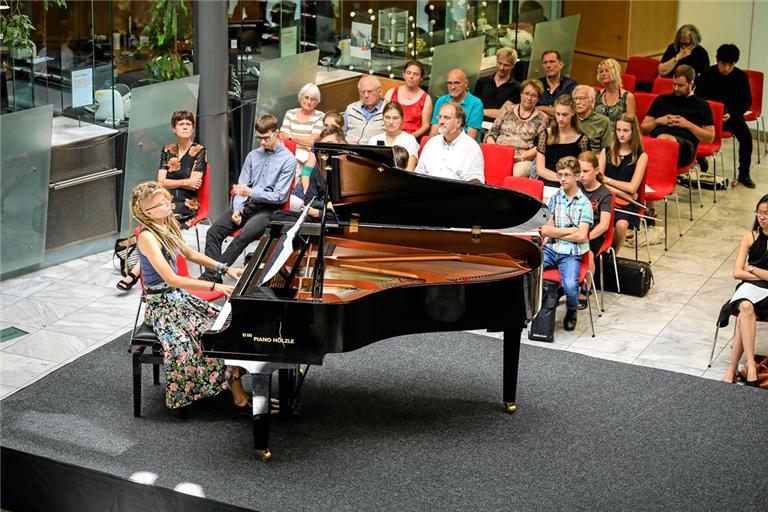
(471,105)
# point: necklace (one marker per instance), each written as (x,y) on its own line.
(520,115)
(615,101)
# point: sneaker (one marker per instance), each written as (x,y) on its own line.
(747,181)
(569,322)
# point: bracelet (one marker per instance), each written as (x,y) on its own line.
(222,268)
(213,285)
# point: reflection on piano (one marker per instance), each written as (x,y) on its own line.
(373,275)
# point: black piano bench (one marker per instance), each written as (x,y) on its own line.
(145,349)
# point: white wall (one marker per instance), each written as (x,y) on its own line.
(741,22)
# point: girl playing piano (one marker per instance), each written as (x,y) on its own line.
(177,317)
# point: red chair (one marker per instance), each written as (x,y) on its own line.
(645,70)
(643,101)
(423,143)
(291,145)
(183,270)
(608,247)
(554,275)
(628,82)
(204,200)
(498,162)
(755,112)
(661,176)
(713,148)
(530,186)
(662,85)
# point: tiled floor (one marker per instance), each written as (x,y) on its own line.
(73,308)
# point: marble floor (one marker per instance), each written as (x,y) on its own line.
(70,309)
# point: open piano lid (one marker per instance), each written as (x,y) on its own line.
(375,193)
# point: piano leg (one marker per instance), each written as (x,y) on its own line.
(511,362)
(262,388)
(287,384)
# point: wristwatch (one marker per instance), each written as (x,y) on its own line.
(751,269)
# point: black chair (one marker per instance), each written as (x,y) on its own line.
(145,348)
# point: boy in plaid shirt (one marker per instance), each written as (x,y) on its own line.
(567,234)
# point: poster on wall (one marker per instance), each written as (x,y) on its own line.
(82,87)
(288,40)
(361,40)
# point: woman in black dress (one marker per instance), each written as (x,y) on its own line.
(563,138)
(750,299)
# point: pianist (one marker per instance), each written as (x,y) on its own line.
(177,317)
(263,187)
(452,153)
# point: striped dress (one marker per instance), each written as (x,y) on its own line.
(293,127)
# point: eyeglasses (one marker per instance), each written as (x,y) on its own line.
(164,202)
(563,175)
(579,99)
(453,84)
(441,117)
(762,215)
(265,138)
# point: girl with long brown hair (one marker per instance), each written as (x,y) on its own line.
(563,138)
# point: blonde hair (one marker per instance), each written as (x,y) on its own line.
(168,232)
(614,68)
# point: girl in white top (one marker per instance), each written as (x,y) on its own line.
(395,136)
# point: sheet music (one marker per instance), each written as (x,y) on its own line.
(286,248)
(226,310)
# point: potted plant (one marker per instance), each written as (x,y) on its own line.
(169,19)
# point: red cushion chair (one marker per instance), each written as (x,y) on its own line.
(499,162)
(554,275)
(643,101)
(645,70)
(705,150)
(628,82)
(662,85)
(661,176)
(204,200)
(755,112)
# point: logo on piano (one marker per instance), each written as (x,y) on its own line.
(269,339)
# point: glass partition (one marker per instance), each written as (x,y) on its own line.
(24,176)
(281,80)
(558,34)
(467,55)
(150,129)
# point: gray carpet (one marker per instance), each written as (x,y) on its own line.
(414,423)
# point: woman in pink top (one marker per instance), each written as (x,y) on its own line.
(417,105)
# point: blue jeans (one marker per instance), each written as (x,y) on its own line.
(568,265)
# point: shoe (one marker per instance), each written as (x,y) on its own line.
(124,285)
(753,383)
(703,164)
(569,322)
(746,181)
(582,303)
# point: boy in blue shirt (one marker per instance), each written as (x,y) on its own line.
(567,234)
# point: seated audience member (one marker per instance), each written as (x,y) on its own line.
(612,101)
(457,84)
(555,83)
(595,126)
(395,136)
(566,233)
(452,153)
(182,166)
(333,118)
(563,138)
(729,85)
(685,50)
(499,88)
(600,198)
(750,300)
(681,116)
(263,187)
(416,103)
(519,125)
(624,170)
(401,156)
(363,119)
(302,125)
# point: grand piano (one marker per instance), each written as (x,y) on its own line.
(404,253)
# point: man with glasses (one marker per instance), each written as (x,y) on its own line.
(263,188)
(364,118)
(595,126)
(566,234)
(555,83)
(452,153)
(458,83)
(681,116)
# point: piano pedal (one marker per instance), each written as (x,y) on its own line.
(264,455)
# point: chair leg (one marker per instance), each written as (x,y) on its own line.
(637,233)
(136,361)
(734,160)
(197,236)
(647,240)
(698,186)
(597,298)
(616,270)
(155,371)
(690,196)
(602,284)
(589,307)
(714,181)
(666,207)
(679,222)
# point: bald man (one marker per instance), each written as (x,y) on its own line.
(364,118)
(458,92)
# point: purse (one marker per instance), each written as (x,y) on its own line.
(762,371)
(125,255)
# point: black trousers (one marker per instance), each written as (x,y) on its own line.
(738,127)
(256,218)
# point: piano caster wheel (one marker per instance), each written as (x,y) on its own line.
(264,455)
(510,407)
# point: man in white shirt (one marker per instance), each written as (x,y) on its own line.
(452,153)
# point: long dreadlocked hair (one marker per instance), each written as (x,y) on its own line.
(169,233)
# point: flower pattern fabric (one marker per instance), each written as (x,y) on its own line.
(181,167)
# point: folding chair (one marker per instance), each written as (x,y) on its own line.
(705,150)
(554,275)
(661,176)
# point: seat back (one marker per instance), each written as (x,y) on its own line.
(717,116)
(608,235)
(203,198)
(662,85)
(628,82)
(530,186)
(756,87)
(643,101)
(423,143)
(645,69)
(498,164)
(291,145)
(661,172)
(183,271)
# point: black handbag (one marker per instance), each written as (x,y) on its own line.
(636,277)
(543,325)
(125,255)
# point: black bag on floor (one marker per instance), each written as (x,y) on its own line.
(543,325)
(636,277)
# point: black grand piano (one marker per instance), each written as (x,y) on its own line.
(405,253)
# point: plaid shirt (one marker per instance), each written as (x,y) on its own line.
(567,213)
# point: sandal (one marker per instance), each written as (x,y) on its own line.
(582,303)
(131,281)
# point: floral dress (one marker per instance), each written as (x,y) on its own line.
(179,319)
(181,167)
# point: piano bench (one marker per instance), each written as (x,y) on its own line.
(145,349)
